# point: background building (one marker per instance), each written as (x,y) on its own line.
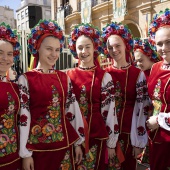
(134,13)
(7,16)
(31,11)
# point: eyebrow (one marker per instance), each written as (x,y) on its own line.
(8,51)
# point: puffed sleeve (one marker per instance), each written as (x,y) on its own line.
(73,114)
(25,117)
(108,110)
(139,136)
(164,120)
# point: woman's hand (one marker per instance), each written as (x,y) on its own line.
(136,152)
(111,153)
(28,163)
(152,123)
(79,154)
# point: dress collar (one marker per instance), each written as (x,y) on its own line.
(42,71)
(3,78)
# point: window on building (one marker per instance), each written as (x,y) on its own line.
(26,12)
(22,14)
(45,2)
(22,25)
(18,17)
(19,27)
(27,25)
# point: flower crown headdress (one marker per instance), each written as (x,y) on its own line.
(117,29)
(88,30)
(144,47)
(159,20)
(43,29)
(7,34)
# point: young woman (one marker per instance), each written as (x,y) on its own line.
(9,101)
(94,93)
(50,119)
(145,57)
(130,94)
(159,92)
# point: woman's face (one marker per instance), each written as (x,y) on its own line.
(162,39)
(85,50)
(116,48)
(142,61)
(6,56)
(49,52)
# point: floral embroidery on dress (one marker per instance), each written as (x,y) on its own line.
(70,116)
(107,94)
(24,93)
(141,90)
(83,102)
(116,129)
(146,110)
(104,115)
(81,131)
(23,120)
(66,162)
(90,160)
(8,136)
(70,96)
(167,121)
(118,98)
(141,130)
(156,98)
(49,128)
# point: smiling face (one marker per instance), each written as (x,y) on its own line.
(49,52)
(85,51)
(142,61)
(162,40)
(116,48)
(6,56)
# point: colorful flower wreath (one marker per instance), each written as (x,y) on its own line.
(117,29)
(145,48)
(159,20)
(44,27)
(7,34)
(88,30)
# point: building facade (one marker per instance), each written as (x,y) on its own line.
(31,11)
(7,16)
(134,13)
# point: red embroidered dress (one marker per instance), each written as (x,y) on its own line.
(94,92)
(159,92)
(9,108)
(131,100)
(50,111)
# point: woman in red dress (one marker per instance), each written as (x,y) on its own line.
(159,92)
(130,94)
(9,101)
(94,89)
(51,124)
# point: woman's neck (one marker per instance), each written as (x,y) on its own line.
(84,65)
(120,64)
(45,69)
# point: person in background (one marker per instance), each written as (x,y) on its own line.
(51,124)
(131,96)
(145,57)
(159,92)
(9,101)
(94,90)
